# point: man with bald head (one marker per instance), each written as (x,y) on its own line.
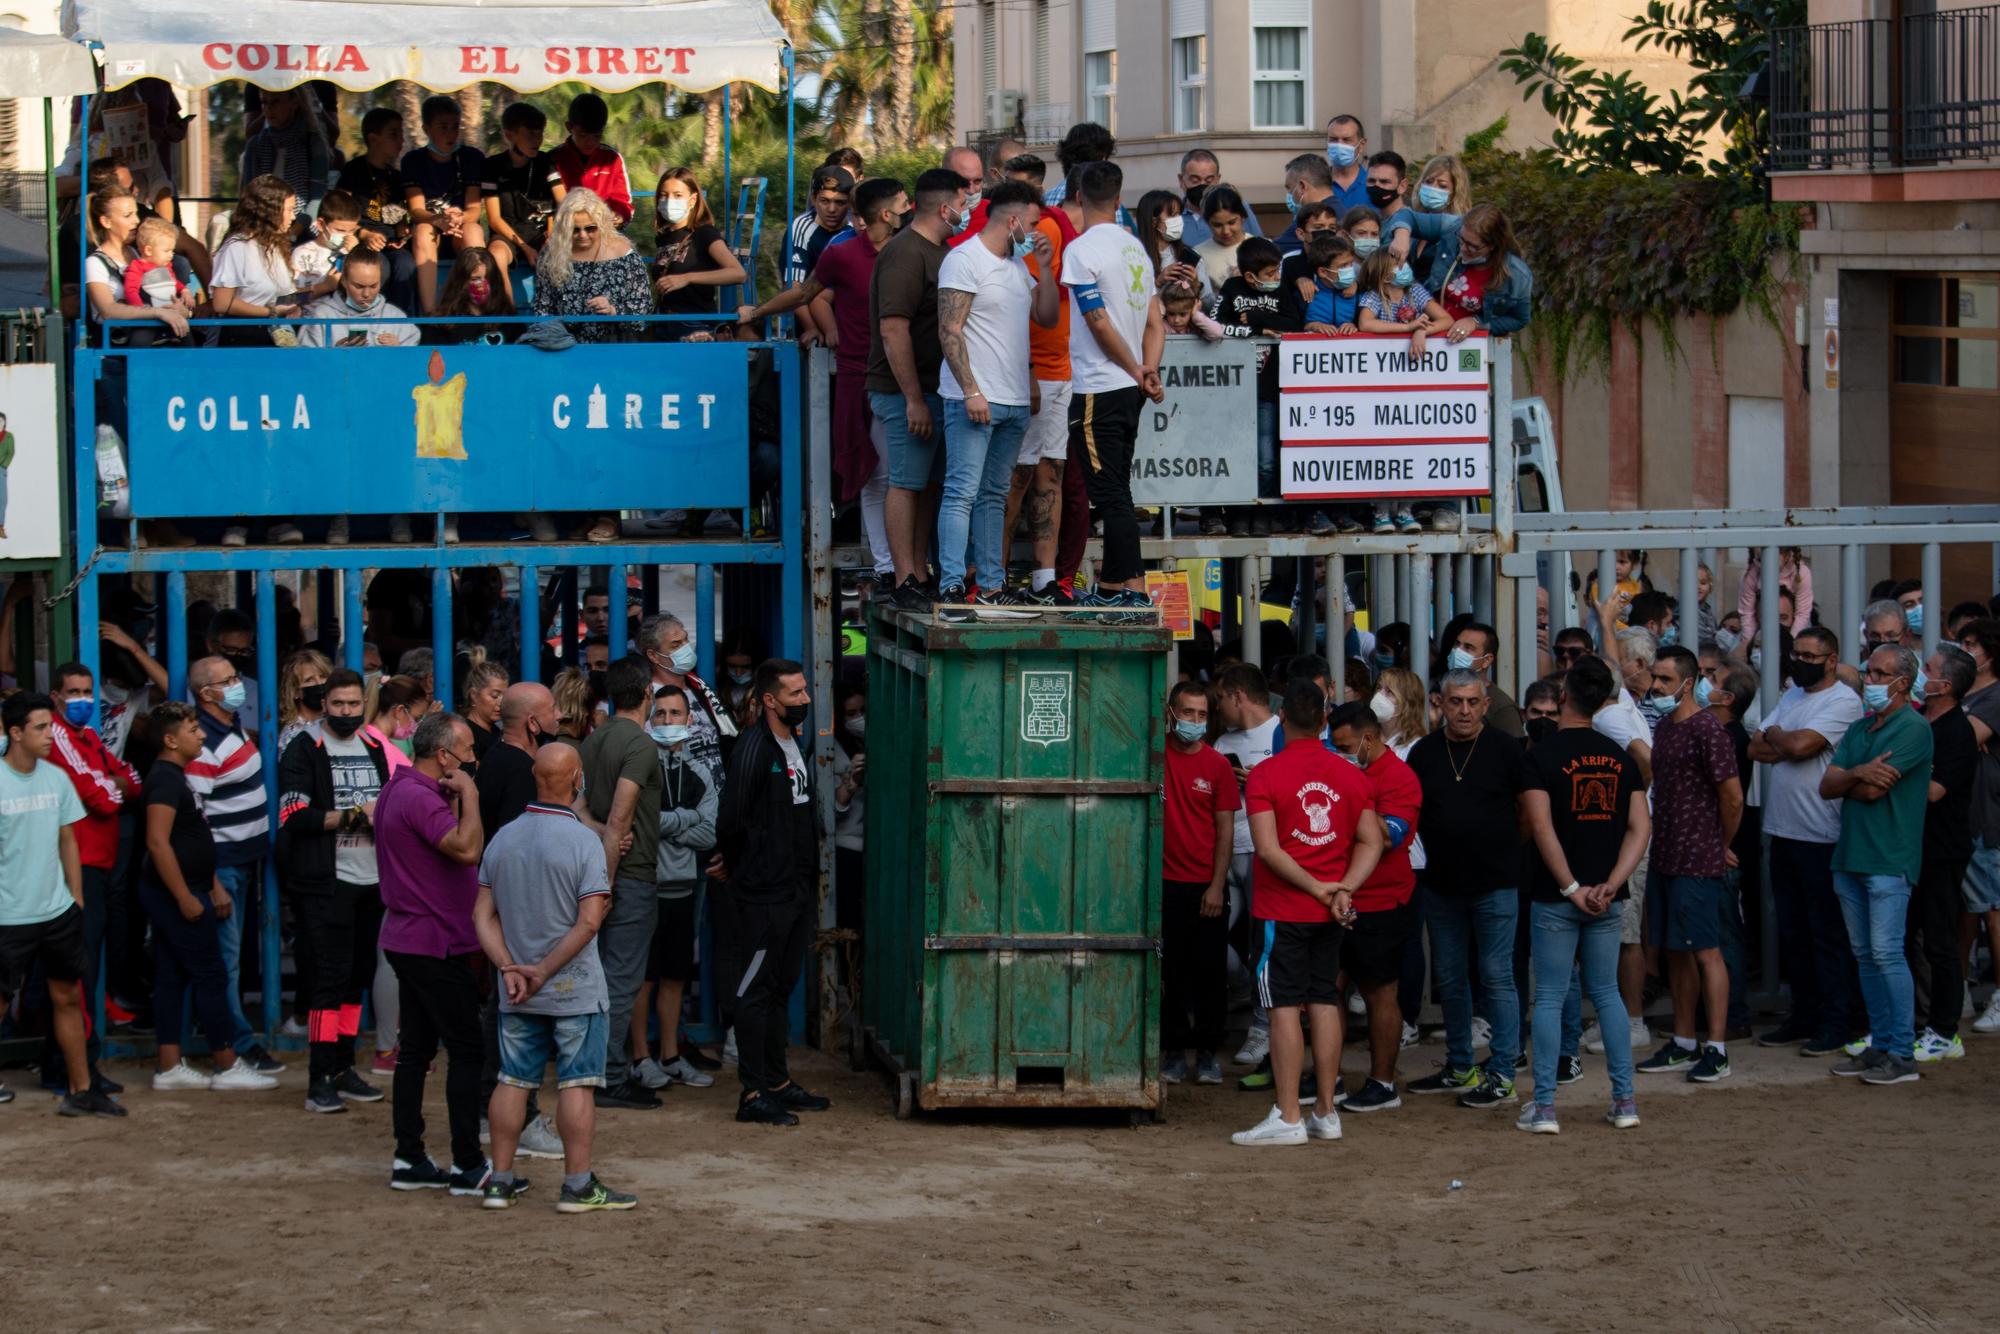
(544,891)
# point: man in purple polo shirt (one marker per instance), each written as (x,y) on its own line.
(428,841)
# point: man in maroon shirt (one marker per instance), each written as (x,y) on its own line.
(1201,802)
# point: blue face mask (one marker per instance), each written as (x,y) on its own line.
(682,659)
(1670,636)
(1384,661)
(1433,196)
(1354,760)
(669,734)
(1188,732)
(1914,616)
(1874,696)
(234,696)
(1402,277)
(1344,276)
(1340,156)
(1365,246)
(1703,691)
(78,712)
(1917,689)
(1459,660)
(1662,705)
(1023,248)
(1291,205)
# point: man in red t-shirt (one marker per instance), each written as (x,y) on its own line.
(1312,822)
(1201,802)
(1385,918)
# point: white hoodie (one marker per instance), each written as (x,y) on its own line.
(378,315)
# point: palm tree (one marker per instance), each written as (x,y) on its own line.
(902,72)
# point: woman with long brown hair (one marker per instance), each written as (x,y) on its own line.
(253,266)
(691,261)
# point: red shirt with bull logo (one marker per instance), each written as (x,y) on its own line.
(1318,800)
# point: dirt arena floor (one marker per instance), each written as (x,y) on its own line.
(1781,1200)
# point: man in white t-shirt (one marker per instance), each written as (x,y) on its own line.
(1243,702)
(1116,335)
(1797,741)
(986,299)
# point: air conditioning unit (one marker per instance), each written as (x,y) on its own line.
(1003,108)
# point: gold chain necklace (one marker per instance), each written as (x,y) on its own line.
(1457,769)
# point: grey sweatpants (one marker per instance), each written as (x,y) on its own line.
(623,943)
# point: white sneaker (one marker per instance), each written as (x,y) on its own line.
(240,1078)
(1967,1011)
(235,535)
(399,528)
(1273,1129)
(729,1047)
(1642,1036)
(1410,1035)
(1356,1006)
(1931,1046)
(1323,1127)
(336,531)
(1860,1044)
(684,1071)
(652,1074)
(288,533)
(1482,1034)
(451,528)
(182,1076)
(292,1028)
(1990,1021)
(1256,1045)
(540,1140)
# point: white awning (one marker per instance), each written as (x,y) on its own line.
(525,45)
(41,64)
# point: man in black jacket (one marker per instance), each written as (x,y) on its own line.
(328,779)
(767,839)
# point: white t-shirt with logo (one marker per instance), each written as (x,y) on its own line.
(1793,807)
(1250,747)
(996,328)
(355,783)
(1110,260)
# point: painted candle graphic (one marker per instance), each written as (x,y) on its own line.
(440,413)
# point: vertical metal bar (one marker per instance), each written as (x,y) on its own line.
(1232,604)
(326,601)
(174,637)
(704,620)
(270,972)
(1305,595)
(1767,630)
(441,644)
(1483,573)
(88,641)
(1381,591)
(620,602)
(1421,628)
(353,629)
(1607,579)
(1934,608)
(1253,614)
(1336,623)
(531,623)
(1688,618)
(1993,571)
(1527,662)
(568,595)
(1506,499)
(825,635)
(1461,584)
(791,143)
(792,582)
(1853,592)
(1439,569)
(1400,564)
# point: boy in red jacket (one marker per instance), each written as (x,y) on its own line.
(585,160)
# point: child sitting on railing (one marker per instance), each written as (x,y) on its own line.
(158,278)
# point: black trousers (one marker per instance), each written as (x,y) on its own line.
(726,935)
(187,956)
(1194,970)
(1812,940)
(440,1007)
(1103,431)
(339,927)
(1935,905)
(96,906)
(775,937)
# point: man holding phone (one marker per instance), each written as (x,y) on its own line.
(360,316)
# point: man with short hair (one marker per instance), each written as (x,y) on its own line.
(689,801)
(987,303)
(1477,650)
(1200,169)
(1347,158)
(829,199)
(543,895)
(1697,803)
(904,356)
(1053,492)
(596,611)
(1313,824)
(1117,336)
(1200,806)
(1797,741)
(1885,622)
(663,639)
(1387,175)
(1308,180)
(1472,776)
(228,779)
(622,784)
(1653,612)
(1385,919)
(1541,702)
(428,841)
(1243,703)
(41,890)
(1935,904)
(767,839)
(1881,773)
(329,782)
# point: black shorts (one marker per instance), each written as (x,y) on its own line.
(1300,964)
(672,956)
(56,944)
(1372,953)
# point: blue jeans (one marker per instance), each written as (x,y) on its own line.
(978,469)
(575,1042)
(1877,908)
(246,887)
(1566,941)
(1459,924)
(912,459)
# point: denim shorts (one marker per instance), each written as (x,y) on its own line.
(1981,887)
(576,1042)
(1684,912)
(914,463)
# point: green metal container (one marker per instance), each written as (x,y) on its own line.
(1014,833)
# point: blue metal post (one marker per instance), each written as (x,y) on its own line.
(792,585)
(614,581)
(531,623)
(270,980)
(441,645)
(704,620)
(82,314)
(353,630)
(791,134)
(175,640)
(87,641)
(728,133)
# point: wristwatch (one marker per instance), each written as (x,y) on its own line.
(1569,890)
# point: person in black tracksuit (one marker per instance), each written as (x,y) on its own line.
(327,841)
(767,838)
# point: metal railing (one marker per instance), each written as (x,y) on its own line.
(1830,96)
(1951,85)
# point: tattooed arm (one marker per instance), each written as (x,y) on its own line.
(953,307)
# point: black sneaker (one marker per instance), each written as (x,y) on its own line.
(425,1175)
(1670,1056)
(1006,605)
(1492,1092)
(497,1194)
(1520,1061)
(949,608)
(1823,1044)
(1447,1081)
(594,1196)
(1375,1096)
(354,1088)
(324,1098)
(764,1110)
(1319,525)
(106,1085)
(1309,1086)
(796,1097)
(471,1180)
(88,1103)
(1569,1069)
(909,596)
(1784,1035)
(1713,1065)
(260,1060)
(1052,596)
(630,1095)
(1340,1091)
(698,1058)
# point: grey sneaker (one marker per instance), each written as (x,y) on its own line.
(593,1197)
(652,1074)
(1538,1120)
(1173,1068)
(1207,1069)
(1862,1064)
(685,1072)
(540,1140)
(1893,1069)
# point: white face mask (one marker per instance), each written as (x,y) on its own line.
(675,209)
(1172,226)
(1383,706)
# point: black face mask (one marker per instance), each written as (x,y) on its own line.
(1381,196)
(795,716)
(313,697)
(1806,675)
(596,676)
(244,661)
(1194,194)
(1539,729)
(343,725)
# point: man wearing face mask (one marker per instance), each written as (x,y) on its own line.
(1476,649)
(1347,158)
(102,782)
(1387,173)
(1308,180)
(671,654)
(329,779)
(1201,806)
(1653,612)
(1881,774)
(1199,170)
(688,804)
(228,779)
(232,636)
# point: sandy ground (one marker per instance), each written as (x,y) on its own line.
(1782,1200)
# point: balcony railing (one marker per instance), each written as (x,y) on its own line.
(1871,93)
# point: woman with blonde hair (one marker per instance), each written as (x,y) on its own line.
(691,261)
(301,693)
(573,715)
(587,268)
(1402,704)
(1443,186)
(485,682)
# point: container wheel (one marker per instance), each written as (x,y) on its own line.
(906,1096)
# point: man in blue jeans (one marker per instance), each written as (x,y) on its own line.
(1588,816)
(1881,773)
(228,777)
(986,299)
(1473,776)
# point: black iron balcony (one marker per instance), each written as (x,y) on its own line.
(1951,85)
(1830,96)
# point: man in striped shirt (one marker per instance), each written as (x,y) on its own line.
(228,779)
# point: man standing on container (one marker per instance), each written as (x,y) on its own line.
(1312,819)
(1201,805)
(767,843)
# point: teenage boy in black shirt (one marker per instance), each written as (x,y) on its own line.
(376,179)
(521,187)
